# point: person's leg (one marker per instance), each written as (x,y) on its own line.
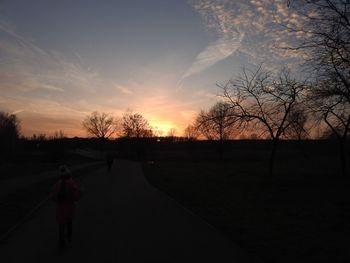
(61,228)
(69,230)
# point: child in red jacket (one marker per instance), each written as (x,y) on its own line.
(65,193)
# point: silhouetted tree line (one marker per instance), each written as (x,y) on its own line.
(131,125)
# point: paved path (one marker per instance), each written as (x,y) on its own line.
(121,218)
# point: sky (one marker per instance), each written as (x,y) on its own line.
(62,60)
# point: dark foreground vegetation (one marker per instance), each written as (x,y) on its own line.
(301,214)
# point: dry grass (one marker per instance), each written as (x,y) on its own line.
(302,214)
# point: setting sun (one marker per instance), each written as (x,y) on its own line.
(162,128)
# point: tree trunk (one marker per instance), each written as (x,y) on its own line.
(342,154)
(272,156)
(301,146)
(221,149)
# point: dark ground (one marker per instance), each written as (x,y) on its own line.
(301,214)
(122,218)
(16,203)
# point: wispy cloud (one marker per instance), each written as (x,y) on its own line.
(252,28)
(17,111)
(36,81)
(26,68)
(35,68)
(218,18)
(123,89)
(215,52)
(39,106)
(51,87)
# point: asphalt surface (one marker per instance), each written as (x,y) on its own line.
(121,218)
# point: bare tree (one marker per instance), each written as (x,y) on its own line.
(136,126)
(58,135)
(335,112)
(326,41)
(9,132)
(204,130)
(9,125)
(218,122)
(100,125)
(156,132)
(191,132)
(264,101)
(298,119)
(39,137)
(172,133)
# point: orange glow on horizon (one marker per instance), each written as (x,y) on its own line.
(162,128)
(73,127)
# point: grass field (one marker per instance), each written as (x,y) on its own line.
(301,214)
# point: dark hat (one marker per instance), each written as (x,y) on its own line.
(64,171)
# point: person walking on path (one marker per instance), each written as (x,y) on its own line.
(109,158)
(65,193)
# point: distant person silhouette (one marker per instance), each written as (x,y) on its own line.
(109,161)
(66,193)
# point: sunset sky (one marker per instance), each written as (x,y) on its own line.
(61,60)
